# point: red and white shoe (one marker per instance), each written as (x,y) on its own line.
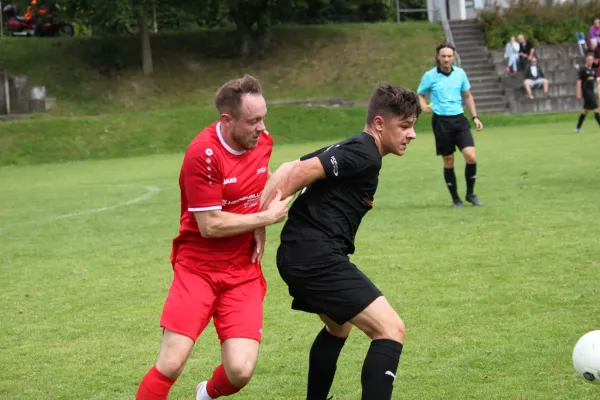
(201,393)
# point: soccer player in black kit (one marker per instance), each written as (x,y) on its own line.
(337,186)
(586,84)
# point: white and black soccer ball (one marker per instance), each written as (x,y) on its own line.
(586,357)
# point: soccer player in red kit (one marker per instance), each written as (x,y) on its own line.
(216,256)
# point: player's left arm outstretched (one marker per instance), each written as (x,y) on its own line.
(339,161)
(299,175)
(281,172)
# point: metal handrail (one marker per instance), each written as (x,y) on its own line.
(445,24)
(410,10)
(450,39)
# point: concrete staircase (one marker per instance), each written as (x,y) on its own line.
(486,87)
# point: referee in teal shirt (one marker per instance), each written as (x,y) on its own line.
(447,86)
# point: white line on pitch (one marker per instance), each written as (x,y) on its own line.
(150,191)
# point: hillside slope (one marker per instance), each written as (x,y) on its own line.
(323,61)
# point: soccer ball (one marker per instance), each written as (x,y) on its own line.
(586,357)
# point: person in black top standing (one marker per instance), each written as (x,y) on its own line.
(337,187)
(586,88)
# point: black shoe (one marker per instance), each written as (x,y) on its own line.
(457,203)
(471,198)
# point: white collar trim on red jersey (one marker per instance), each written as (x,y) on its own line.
(227,147)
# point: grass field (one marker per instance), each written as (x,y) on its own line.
(494,298)
(47,139)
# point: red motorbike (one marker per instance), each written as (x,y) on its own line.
(21,26)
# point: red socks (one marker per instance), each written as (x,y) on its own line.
(154,386)
(219,384)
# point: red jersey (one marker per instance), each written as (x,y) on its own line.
(216,177)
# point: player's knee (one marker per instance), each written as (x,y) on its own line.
(240,373)
(449,161)
(470,158)
(171,366)
(393,329)
(340,331)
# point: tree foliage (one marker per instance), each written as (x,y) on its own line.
(252,19)
(538,23)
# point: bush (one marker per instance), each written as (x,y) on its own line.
(108,56)
(540,24)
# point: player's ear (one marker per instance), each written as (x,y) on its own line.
(378,123)
(226,118)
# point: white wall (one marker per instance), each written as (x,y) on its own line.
(457,10)
(440,5)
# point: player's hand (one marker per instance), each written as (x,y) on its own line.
(260,238)
(578,97)
(478,124)
(278,207)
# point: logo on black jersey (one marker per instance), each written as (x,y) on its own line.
(368,201)
(335,165)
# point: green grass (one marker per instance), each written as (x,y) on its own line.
(302,62)
(47,139)
(494,298)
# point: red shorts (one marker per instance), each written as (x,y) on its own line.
(199,292)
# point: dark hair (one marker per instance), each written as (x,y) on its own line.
(444,45)
(393,101)
(229,96)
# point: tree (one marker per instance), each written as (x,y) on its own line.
(253,21)
(117,17)
(141,7)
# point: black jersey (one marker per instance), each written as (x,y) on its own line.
(323,220)
(588,76)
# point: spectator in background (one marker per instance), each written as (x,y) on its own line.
(596,66)
(511,54)
(526,51)
(594,36)
(596,54)
(586,90)
(534,77)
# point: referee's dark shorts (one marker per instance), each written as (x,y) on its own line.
(451,132)
(590,100)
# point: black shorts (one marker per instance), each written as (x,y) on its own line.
(590,100)
(450,132)
(340,291)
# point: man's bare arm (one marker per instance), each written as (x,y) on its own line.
(469,102)
(274,179)
(217,223)
(300,175)
(423,103)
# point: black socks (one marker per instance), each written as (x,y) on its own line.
(580,121)
(322,365)
(379,369)
(450,179)
(470,176)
